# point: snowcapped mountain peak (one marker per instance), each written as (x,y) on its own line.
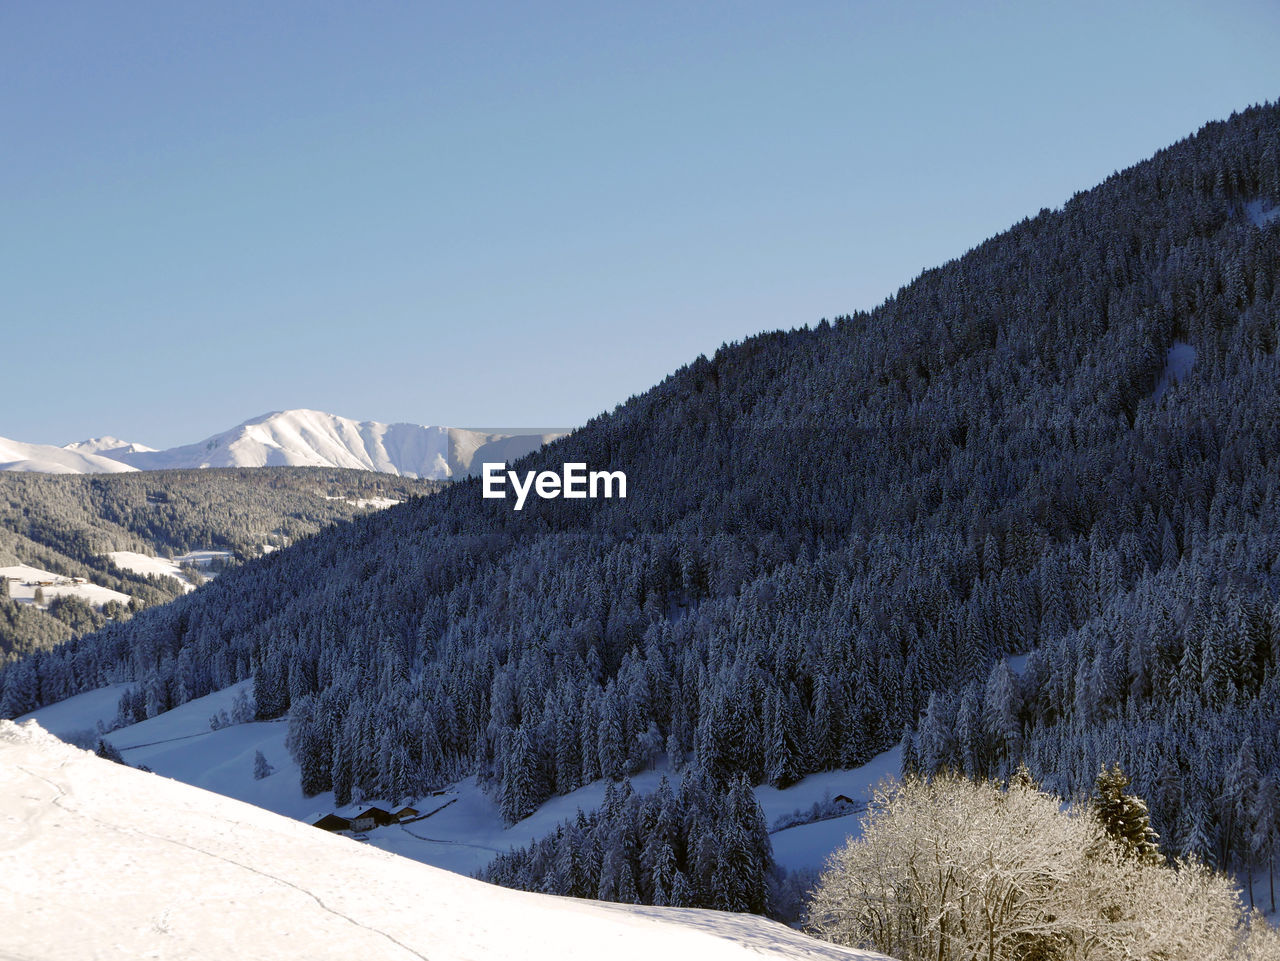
(298,437)
(106,445)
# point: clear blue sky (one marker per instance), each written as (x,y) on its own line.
(522,213)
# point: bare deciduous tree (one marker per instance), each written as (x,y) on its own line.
(956,870)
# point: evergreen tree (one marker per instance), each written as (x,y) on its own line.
(910,764)
(935,739)
(1266,829)
(1001,705)
(21,690)
(1239,794)
(783,763)
(611,738)
(681,893)
(520,794)
(109,751)
(1123,815)
(261,766)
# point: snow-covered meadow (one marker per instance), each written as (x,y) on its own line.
(462,837)
(25,581)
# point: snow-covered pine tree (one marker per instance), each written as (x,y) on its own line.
(1124,815)
(1266,829)
(261,766)
(783,760)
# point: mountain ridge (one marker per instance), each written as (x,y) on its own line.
(292,438)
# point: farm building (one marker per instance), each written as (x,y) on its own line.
(371,817)
(333,822)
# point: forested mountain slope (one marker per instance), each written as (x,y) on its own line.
(68,524)
(822,527)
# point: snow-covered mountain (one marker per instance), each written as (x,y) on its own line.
(107,445)
(15,455)
(306,438)
(101,860)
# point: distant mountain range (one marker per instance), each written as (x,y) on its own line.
(298,438)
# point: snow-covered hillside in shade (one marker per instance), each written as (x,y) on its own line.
(467,830)
(98,860)
(299,438)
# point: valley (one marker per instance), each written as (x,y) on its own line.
(466,836)
(104,546)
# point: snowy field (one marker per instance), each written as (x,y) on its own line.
(145,564)
(101,861)
(809,845)
(462,837)
(24,581)
(361,503)
(171,566)
(90,711)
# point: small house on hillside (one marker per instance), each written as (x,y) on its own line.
(405,813)
(333,822)
(371,817)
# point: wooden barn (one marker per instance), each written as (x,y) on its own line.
(371,817)
(333,822)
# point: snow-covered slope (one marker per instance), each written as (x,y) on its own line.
(304,438)
(465,835)
(25,580)
(145,564)
(107,445)
(98,860)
